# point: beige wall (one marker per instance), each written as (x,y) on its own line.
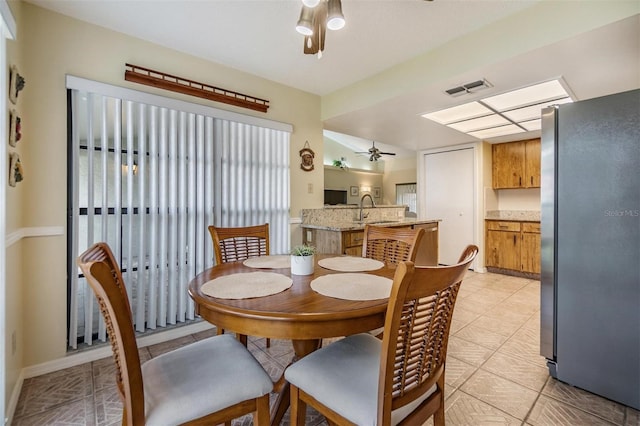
(519,199)
(15,195)
(14,218)
(395,172)
(13,319)
(335,151)
(48,47)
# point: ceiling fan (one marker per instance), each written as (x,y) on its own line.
(374,153)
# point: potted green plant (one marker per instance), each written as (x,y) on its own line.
(302,259)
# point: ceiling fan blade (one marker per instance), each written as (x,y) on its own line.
(375,153)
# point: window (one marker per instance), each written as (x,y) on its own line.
(406,194)
(148,175)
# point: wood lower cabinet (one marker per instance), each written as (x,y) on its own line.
(513,246)
(350,242)
(503,245)
(531,247)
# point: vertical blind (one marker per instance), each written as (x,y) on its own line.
(406,194)
(148,179)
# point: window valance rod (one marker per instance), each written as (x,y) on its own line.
(173,83)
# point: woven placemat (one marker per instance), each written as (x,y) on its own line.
(246,285)
(277,261)
(350,264)
(353,286)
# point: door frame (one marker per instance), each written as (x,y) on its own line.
(478,220)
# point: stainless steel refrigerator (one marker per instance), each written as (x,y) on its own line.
(590,224)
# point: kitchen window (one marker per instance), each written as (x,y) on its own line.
(147,175)
(406,194)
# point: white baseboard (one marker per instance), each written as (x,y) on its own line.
(104,351)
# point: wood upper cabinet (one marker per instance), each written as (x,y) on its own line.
(508,164)
(532,164)
(516,164)
(513,245)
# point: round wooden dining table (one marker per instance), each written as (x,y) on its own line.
(299,313)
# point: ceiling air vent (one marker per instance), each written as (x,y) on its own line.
(472,87)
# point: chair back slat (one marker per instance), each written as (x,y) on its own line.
(105,278)
(416,331)
(234,244)
(391,245)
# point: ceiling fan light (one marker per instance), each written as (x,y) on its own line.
(310,3)
(335,18)
(305,23)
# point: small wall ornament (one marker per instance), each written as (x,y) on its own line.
(16,84)
(15,169)
(307,155)
(15,128)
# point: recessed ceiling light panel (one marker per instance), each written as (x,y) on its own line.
(492,120)
(526,96)
(533,111)
(532,124)
(504,114)
(458,113)
(497,131)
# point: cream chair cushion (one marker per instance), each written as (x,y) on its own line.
(199,379)
(344,377)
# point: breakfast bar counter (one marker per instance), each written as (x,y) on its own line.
(346,225)
(347,237)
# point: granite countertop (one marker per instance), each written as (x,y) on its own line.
(355,226)
(513,215)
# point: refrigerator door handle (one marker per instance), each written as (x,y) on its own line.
(547,233)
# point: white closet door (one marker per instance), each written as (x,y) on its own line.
(448,189)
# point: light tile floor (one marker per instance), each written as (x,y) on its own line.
(495,374)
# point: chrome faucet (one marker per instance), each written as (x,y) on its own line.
(373,204)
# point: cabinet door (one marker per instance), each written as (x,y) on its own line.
(353,251)
(531,253)
(532,164)
(329,242)
(508,164)
(503,249)
(353,238)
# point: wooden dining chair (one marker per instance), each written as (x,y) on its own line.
(391,245)
(400,380)
(209,382)
(240,243)
(233,244)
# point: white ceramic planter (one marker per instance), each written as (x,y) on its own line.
(302,265)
